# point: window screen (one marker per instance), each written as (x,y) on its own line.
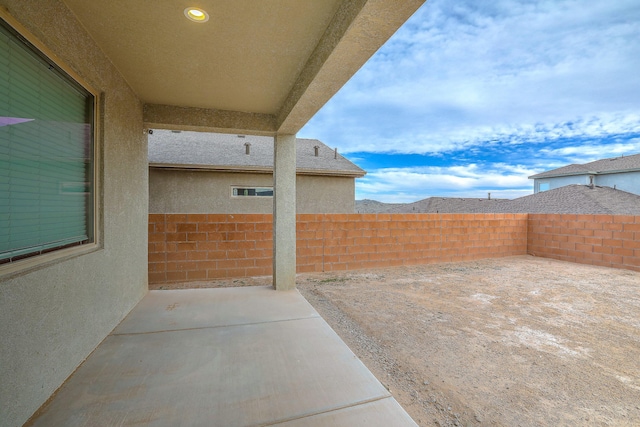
(46,153)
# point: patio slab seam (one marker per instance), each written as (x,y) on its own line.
(326,411)
(214,326)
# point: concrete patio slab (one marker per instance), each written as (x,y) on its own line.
(197,308)
(244,357)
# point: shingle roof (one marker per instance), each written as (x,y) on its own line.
(449,205)
(223,152)
(573,199)
(603,166)
(577,199)
(565,170)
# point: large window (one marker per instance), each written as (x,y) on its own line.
(46,153)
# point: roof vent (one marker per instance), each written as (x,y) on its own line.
(240,136)
(335,153)
(247,148)
(176,131)
(315,150)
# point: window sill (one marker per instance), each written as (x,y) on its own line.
(37,262)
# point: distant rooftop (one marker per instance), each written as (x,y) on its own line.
(577,199)
(571,199)
(224,152)
(450,205)
(604,166)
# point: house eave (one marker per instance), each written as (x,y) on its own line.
(325,172)
(559,175)
(608,172)
(194,167)
(255,169)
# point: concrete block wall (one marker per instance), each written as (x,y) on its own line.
(605,240)
(193,247)
(360,241)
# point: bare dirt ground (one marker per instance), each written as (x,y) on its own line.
(519,341)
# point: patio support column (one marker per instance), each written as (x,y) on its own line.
(284,212)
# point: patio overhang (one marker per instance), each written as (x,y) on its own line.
(261,68)
(254,67)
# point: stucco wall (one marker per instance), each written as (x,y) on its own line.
(317,194)
(54,315)
(561,181)
(180,191)
(629,181)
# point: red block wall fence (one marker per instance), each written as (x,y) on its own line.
(193,247)
(605,240)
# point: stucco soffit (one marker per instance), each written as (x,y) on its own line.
(207,120)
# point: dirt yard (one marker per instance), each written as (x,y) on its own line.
(518,341)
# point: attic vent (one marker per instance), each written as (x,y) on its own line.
(315,150)
(176,131)
(240,136)
(247,148)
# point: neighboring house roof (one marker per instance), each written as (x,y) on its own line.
(573,199)
(374,206)
(449,205)
(577,199)
(227,153)
(598,167)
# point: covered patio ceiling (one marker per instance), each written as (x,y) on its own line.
(259,67)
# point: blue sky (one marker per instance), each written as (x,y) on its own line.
(474,96)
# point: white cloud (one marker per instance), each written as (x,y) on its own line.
(414,183)
(467,73)
(590,152)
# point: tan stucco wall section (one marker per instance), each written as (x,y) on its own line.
(325,194)
(53,316)
(179,191)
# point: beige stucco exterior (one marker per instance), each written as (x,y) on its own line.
(54,314)
(183,191)
(54,310)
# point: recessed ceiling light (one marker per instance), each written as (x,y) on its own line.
(196,15)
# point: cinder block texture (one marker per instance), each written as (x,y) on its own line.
(605,240)
(192,247)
